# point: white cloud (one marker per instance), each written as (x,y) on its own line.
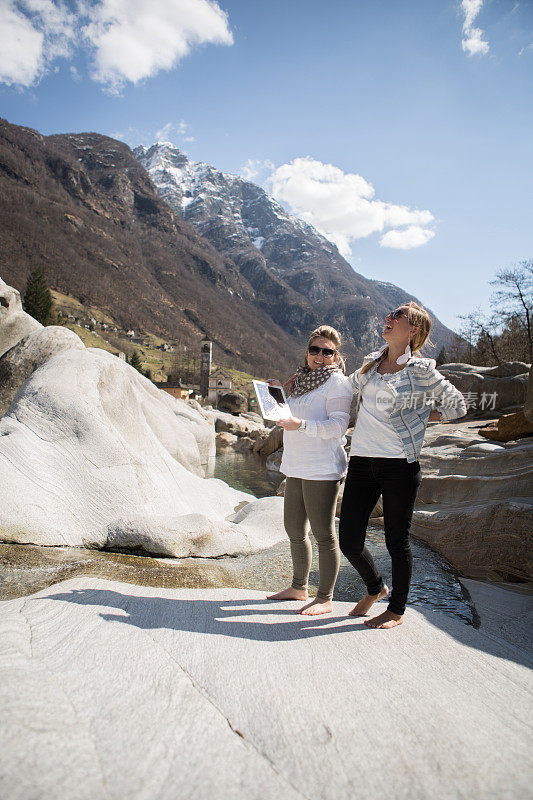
(254,169)
(135,39)
(129,40)
(472,42)
(33,33)
(406,239)
(132,136)
(163,133)
(169,132)
(342,206)
(174,130)
(58,24)
(471,9)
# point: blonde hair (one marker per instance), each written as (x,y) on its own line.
(326,332)
(419,318)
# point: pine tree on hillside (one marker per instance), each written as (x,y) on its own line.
(442,357)
(37,300)
(135,361)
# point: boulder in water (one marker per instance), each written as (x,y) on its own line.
(232,402)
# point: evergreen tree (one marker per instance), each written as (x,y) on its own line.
(148,374)
(135,361)
(442,357)
(37,300)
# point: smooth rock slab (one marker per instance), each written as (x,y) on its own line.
(504,612)
(111,691)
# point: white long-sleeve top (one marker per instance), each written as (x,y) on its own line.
(317,453)
(374,436)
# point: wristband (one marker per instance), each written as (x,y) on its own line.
(303,425)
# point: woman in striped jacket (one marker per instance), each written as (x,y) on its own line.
(397,395)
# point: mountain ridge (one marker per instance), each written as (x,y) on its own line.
(83,208)
(298,275)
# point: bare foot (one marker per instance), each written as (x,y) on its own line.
(317,606)
(386,620)
(363,606)
(289,594)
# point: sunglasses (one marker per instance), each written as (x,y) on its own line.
(397,314)
(327,352)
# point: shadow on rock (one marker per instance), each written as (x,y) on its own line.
(218,617)
(252,619)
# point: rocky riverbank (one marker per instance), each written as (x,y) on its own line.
(26,569)
(475,504)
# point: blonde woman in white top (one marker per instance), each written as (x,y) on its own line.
(398,393)
(314,462)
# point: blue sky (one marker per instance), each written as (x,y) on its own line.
(402,130)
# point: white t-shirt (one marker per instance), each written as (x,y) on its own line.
(318,452)
(374,435)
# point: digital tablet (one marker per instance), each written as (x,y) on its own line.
(272,401)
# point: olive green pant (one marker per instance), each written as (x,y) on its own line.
(312,501)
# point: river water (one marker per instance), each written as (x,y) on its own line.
(25,569)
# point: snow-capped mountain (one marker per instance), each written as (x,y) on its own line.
(299,277)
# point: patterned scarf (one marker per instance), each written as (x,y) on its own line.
(307,379)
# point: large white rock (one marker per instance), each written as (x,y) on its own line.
(92,453)
(15,324)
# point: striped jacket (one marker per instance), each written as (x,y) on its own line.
(420,389)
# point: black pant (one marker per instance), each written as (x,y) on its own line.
(398,481)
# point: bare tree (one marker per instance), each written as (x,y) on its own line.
(513,297)
(483,328)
